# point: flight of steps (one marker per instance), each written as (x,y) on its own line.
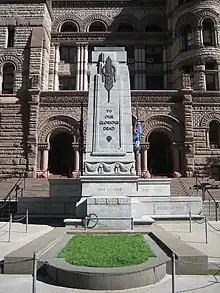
(186,187)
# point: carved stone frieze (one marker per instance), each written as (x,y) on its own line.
(67,100)
(105,168)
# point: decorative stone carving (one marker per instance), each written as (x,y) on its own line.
(108,76)
(206,119)
(106,168)
(186,81)
(12,58)
(35,82)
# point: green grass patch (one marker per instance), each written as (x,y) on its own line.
(106,251)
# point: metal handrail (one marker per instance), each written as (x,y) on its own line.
(15,187)
(205,189)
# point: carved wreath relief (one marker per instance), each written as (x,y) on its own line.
(109,168)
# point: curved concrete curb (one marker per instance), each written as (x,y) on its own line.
(64,274)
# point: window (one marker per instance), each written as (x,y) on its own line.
(68,54)
(67,83)
(69,27)
(188,38)
(8,78)
(154,82)
(214,134)
(97,26)
(208,33)
(10,37)
(91,49)
(211,75)
(154,54)
(125,28)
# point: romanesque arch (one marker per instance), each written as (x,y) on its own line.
(11,59)
(207,13)
(206,119)
(67,17)
(96,17)
(57,123)
(185,19)
(166,123)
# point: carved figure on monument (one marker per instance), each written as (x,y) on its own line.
(108,75)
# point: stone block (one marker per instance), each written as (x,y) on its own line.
(112,211)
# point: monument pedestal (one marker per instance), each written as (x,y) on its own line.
(109,186)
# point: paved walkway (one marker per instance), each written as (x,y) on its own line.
(184,284)
(197,237)
(19,237)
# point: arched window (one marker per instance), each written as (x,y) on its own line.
(69,27)
(153,28)
(97,26)
(125,28)
(208,33)
(188,40)
(8,78)
(214,138)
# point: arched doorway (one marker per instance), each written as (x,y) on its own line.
(61,154)
(160,161)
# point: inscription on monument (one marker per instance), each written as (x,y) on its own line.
(109,123)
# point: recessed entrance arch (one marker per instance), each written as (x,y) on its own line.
(61,153)
(160,160)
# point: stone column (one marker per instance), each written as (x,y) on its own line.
(82,67)
(56,82)
(165,68)
(76,159)
(45,157)
(140,76)
(176,157)
(199,77)
(144,147)
(138,163)
(78,67)
(198,37)
(85,72)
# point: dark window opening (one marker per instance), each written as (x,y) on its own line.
(11,36)
(214,134)
(154,54)
(8,79)
(188,40)
(69,27)
(68,54)
(97,26)
(208,33)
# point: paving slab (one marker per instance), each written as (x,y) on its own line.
(19,237)
(188,284)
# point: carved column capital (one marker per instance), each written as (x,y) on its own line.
(145,146)
(44,146)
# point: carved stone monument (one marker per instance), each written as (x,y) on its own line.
(109,164)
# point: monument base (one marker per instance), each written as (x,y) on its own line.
(112,212)
(179,205)
(109,186)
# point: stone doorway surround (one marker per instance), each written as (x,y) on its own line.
(53,125)
(174,130)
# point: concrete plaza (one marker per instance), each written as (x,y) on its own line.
(189,284)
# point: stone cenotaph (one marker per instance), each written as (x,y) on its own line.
(109,177)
